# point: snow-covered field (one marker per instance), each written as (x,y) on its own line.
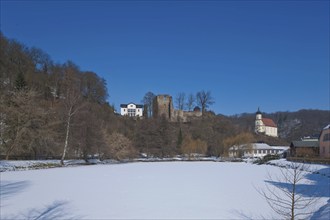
(159,190)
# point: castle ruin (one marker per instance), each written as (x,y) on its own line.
(163,107)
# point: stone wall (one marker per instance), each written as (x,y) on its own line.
(185,116)
(163,106)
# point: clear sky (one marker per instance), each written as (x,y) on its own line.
(249,54)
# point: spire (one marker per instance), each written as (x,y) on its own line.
(258,112)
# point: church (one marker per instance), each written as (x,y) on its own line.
(265,126)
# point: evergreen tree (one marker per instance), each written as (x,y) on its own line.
(20,82)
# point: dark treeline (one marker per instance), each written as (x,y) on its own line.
(51,110)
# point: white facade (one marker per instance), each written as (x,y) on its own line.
(265,125)
(271,131)
(131,110)
(256,150)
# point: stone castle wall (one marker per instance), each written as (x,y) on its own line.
(163,106)
(185,116)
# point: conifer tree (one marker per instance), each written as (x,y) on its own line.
(20,82)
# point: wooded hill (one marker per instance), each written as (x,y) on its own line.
(51,110)
(291,125)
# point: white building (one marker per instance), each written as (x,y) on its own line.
(265,125)
(256,150)
(131,110)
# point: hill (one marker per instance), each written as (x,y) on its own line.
(291,125)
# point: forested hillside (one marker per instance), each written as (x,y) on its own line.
(51,110)
(291,125)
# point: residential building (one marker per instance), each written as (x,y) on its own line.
(265,125)
(256,150)
(131,110)
(325,142)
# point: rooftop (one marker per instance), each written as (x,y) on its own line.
(125,105)
(305,143)
(269,122)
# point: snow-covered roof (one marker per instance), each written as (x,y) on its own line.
(326,127)
(260,146)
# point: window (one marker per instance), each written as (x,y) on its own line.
(131,112)
(326,137)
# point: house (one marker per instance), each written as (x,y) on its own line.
(265,125)
(306,147)
(325,142)
(256,150)
(131,110)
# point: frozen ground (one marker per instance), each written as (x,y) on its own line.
(161,190)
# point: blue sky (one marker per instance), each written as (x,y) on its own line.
(249,54)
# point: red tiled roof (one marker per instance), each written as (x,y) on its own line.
(269,122)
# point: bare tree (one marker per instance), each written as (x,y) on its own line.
(285,195)
(148,103)
(180,100)
(204,99)
(191,146)
(190,102)
(19,115)
(72,100)
(119,147)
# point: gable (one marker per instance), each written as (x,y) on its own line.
(131,105)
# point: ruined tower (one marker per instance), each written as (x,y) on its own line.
(163,106)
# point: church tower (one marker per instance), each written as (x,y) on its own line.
(259,125)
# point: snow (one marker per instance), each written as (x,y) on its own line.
(145,190)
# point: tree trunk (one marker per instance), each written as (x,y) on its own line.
(293,203)
(66,138)
(12,147)
(9,151)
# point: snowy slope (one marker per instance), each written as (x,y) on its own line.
(164,190)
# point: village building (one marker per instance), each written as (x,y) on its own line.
(256,150)
(131,110)
(325,142)
(265,126)
(306,147)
